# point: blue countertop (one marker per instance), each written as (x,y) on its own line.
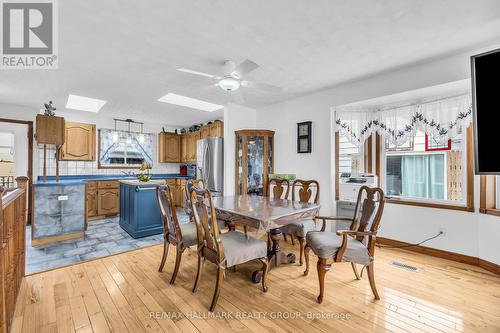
(83,179)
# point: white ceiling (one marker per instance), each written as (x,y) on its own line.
(126,52)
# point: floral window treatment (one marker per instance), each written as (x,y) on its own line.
(443,119)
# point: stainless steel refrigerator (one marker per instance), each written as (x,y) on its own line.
(210,163)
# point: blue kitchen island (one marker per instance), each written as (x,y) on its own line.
(139,210)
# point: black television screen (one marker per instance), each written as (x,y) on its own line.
(486,110)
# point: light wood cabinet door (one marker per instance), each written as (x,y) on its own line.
(169,147)
(91,203)
(108,201)
(195,136)
(79,142)
(217,128)
(205,132)
(49,130)
(184,147)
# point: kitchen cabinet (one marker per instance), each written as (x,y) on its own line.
(91,199)
(177,189)
(254,161)
(108,201)
(205,132)
(216,128)
(102,199)
(49,130)
(79,143)
(188,146)
(169,145)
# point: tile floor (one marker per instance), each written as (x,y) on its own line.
(102,238)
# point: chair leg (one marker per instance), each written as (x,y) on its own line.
(355,270)
(293,241)
(165,254)
(371,277)
(178,258)
(218,286)
(323,267)
(306,255)
(198,274)
(265,269)
(301,245)
(284,238)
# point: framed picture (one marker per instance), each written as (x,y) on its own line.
(304,133)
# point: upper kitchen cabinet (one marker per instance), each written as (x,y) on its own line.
(213,129)
(188,146)
(254,161)
(49,130)
(79,142)
(169,145)
(216,128)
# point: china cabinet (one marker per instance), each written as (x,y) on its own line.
(254,160)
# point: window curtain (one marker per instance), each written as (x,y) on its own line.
(443,119)
(422,176)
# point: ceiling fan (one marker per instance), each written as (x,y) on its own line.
(232,79)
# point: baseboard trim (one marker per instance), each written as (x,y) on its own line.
(489,266)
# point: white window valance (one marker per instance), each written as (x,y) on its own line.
(443,119)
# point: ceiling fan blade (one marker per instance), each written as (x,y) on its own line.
(237,96)
(244,68)
(191,71)
(261,86)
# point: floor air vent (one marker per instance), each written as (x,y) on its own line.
(405,266)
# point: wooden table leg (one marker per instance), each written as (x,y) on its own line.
(275,256)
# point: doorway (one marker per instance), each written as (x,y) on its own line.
(16,155)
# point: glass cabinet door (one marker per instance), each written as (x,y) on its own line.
(255,165)
(254,159)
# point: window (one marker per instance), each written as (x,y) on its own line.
(124,149)
(426,173)
(349,159)
(6,159)
(349,156)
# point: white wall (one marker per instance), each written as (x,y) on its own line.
(236,117)
(467,233)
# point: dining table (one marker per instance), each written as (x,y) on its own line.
(264,215)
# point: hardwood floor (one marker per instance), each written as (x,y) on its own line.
(125,293)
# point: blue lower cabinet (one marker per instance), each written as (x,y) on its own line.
(139,212)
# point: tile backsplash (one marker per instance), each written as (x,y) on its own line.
(70,168)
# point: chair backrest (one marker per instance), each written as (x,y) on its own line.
(280,190)
(205,218)
(199,183)
(369,207)
(306,190)
(171,226)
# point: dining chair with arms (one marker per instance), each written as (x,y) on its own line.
(179,235)
(306,191)
(224,250)
(356,245)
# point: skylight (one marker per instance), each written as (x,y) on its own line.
(81,103)
(189,102)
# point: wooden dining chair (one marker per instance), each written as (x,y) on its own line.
(356,245)
(306,191)
(179,235)
(224,250)
(199,183)
(280,188)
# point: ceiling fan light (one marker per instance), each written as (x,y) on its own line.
(229,84)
